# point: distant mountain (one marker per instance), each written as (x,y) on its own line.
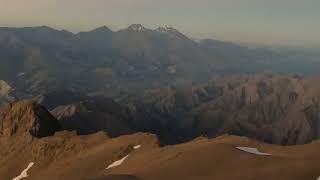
(166,88)
(41,59)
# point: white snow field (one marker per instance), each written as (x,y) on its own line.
(24,173)
(117,163)
(253,151)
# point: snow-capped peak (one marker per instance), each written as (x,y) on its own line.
(167,29)
(137,28)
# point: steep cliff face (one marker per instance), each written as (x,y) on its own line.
(27,118)
(276,109)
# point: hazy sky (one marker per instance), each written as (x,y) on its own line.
(282,22)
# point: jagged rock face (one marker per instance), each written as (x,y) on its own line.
(279,109)
(25,118)
(275,109)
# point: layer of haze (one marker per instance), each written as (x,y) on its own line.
(277,22)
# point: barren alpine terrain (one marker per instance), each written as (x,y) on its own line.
(227,90)
(33,150)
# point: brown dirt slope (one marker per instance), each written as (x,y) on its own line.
(67,156)
(219,159)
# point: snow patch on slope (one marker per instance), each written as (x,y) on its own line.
(24,173)
(117,163)
(167,29)
(253,151)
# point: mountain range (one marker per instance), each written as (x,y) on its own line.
(140,104)
(41,59)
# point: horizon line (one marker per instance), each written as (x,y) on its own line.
(238,42)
